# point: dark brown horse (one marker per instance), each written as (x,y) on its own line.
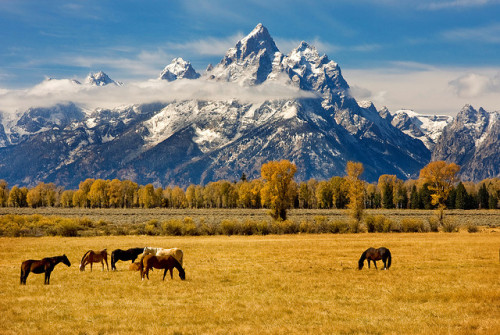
(161,262)
(372,254)
(124,255)
(92,256)
(45,265)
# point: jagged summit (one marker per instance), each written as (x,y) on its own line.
(250,61)
(179,69)
(100,79)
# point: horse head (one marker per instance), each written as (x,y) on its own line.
(65,260)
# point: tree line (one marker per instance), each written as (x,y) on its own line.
(276,186)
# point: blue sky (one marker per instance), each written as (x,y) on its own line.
(431,56)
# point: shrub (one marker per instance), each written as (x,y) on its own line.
(207,228)
(172,227)
(189,227)
(338,227)
(284,227)
(355,227)
(412,225)
(450,226)
(67,228)
(433,224)
(228,227)
(472,228)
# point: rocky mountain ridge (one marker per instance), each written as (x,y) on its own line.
(198,141)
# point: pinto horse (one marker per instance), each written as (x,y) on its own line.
(161,262)
(124,255)
(45,265)
(92,256)
(372,254)
(175,252)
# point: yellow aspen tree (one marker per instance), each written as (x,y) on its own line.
(356,190)
(278,190)
(440,176)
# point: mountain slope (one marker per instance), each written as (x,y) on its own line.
(472,141)
(198,141)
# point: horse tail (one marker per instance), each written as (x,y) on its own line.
(113,256)
(389,258)
(362,260)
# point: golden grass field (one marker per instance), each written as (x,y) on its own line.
(439,283)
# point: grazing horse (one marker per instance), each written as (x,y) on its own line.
(175,252)
(372,254)
(92,256)
(45,265)
(161,262)
(124,255)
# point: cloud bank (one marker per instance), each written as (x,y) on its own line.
(54,91)
(426,89)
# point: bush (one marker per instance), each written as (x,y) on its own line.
(207,228)
(472,228)
(189,227)
(67,228)
(172,227)
(433,224)
(228,227)
(338,227)
(356,227)
(450,226)
(412,225)
(284,227)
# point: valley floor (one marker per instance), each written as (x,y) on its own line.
(439,283)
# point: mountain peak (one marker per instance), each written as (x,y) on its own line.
(250,61)
(100,79)
(178,69)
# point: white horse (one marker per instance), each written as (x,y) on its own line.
(174,252)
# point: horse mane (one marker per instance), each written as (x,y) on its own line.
(178,266)
(85,254)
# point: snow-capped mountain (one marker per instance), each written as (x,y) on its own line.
(472,141)
(427,128)
(100,79)
(178,69)
(198,141)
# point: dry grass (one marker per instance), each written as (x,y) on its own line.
(439,284)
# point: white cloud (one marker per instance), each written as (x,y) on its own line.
(51,92)
(473,85)
(426,89)
(438,5)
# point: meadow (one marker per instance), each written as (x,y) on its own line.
(439,283)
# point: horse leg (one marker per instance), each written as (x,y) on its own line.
(368,264)
(47,277)
(164,273)
(90,266)
(375,263)
(171,273)
(107,266)
(24,276)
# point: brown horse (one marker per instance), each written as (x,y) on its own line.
(161,262)
(92,256)
(45,265)
(372,254)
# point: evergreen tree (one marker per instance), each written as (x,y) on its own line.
(461,197)
(483,196)
(387,196)
(414,199)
